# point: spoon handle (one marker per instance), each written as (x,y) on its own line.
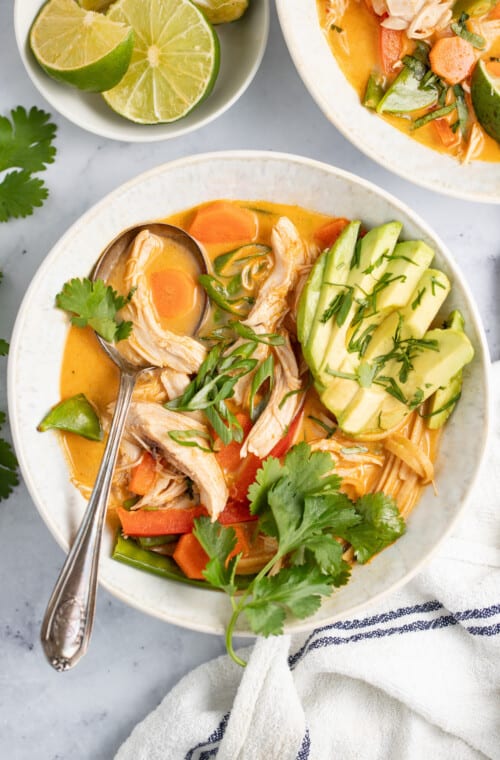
(67,624)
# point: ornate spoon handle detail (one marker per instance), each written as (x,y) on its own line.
(67,624)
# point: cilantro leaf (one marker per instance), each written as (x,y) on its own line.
(26,146)
(381,525)
(26,143)
(95,304)
(328,555)
(20,193)
(269,473)
(219,543)
(296,589)
(311,471)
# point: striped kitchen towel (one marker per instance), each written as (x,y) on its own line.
(417,677)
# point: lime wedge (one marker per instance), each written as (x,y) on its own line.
(174,64)
(222,11)
(485,94)
(79,47)
(75,415)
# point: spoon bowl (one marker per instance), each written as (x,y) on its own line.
(67,624)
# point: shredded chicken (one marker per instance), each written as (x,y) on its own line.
(174,383)
(149,342)
(151,423)
(271,307)
(420,18)
(281,408)
(290,254)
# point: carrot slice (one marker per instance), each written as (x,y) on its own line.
(143,475)
(173,292)
(328,234)
(223,222)
(243,540)
(158,522)
(448,137)
(391,43)
(191,556)
(452,58)
(495,13)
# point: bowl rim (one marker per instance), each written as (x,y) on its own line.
(249,155)
(330,113)
(114,131)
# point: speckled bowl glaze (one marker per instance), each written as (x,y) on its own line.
(316,64)
(242,48)
(40,333)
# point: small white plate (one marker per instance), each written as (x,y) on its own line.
(316,64)
(40,333)
(242,47)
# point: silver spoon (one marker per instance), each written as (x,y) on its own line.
(67,625)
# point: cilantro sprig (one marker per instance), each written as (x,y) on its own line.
(95,304)
(26,147)
(299,504)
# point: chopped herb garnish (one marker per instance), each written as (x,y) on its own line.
(460,29)
(289,395)
(346,450)
(462,110)
(417,301)
(245,331)
(436,284)
(335,28)
(214,383)
(329,429)
(264,374)
(189,438)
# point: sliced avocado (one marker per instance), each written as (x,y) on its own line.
(445,352)
(369,266)
(309,299)
(445,399)
(334,276)
(425,302)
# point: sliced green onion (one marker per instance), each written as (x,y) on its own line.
(264,373)
(474,39)
(229,264)
(245,331)
(187,438)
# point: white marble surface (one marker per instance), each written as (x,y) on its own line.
(134,660)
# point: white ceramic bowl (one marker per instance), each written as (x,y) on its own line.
(242,48)
(316,64)
(40,333)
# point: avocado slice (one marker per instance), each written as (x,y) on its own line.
(369,266)
(406,265)
(335,272)
(445,399)
(434,361)
(309,299)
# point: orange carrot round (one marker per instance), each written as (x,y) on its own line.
(452,58)
(223,222)
(173,292)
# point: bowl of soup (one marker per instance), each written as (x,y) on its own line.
(338,51)
(246,393)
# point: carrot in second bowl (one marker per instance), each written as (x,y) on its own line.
(452,58)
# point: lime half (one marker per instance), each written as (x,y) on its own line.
(222,11)
(174,64)
(79,47)
(485,94)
